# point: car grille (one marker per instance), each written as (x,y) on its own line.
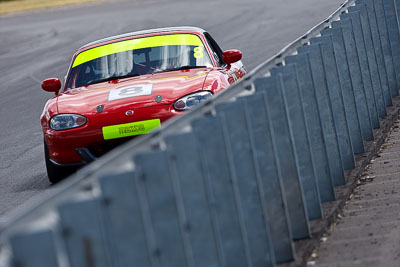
(99,149)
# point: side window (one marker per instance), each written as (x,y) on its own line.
(139,58)
(217,51)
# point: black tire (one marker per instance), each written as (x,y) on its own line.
(55,173)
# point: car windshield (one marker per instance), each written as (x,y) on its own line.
(136,57)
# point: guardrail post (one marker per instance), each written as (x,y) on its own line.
(376,38)
(198,203)
(157,194)
(82,232)
(36,248)
(286,158)
(313,124)
(128,236)
(354,17)
(397,11)
(387,50)
(362,17)
(356,77)
(240,144)
(325,109)
(224,191)
(347,88)
(394,35)
(336,99)
(294,107)
(258,123)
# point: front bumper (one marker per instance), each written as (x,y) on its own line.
(85,155)
(82,145)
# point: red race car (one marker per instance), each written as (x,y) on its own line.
(128,85)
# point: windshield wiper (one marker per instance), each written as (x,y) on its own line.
(187,67)
(112,78)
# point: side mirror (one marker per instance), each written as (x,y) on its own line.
(51,85)
(231,56)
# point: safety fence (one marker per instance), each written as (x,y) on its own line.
(235,181)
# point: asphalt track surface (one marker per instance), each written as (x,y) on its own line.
(38,45)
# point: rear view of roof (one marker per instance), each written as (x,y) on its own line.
(184,28)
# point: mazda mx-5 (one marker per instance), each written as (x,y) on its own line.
(128,85)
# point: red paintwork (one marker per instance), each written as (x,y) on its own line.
(171,85)
(84,100)
(51,85)
(232,56)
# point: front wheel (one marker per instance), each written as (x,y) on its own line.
(55,173)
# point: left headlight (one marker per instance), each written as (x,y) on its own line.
(192,100)
(67,121)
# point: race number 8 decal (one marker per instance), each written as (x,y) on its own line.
(198,52)
(130,91)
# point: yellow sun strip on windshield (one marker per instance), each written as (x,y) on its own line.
(146,42)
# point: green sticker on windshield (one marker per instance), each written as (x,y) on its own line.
(130,129)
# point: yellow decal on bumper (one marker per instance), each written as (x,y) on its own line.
(130,129)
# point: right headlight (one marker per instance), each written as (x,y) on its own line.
(192,100)
(67,121)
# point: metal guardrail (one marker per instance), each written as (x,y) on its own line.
(235,181)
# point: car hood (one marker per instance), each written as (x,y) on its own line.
(136,92)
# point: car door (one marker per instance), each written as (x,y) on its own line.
(233,72)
